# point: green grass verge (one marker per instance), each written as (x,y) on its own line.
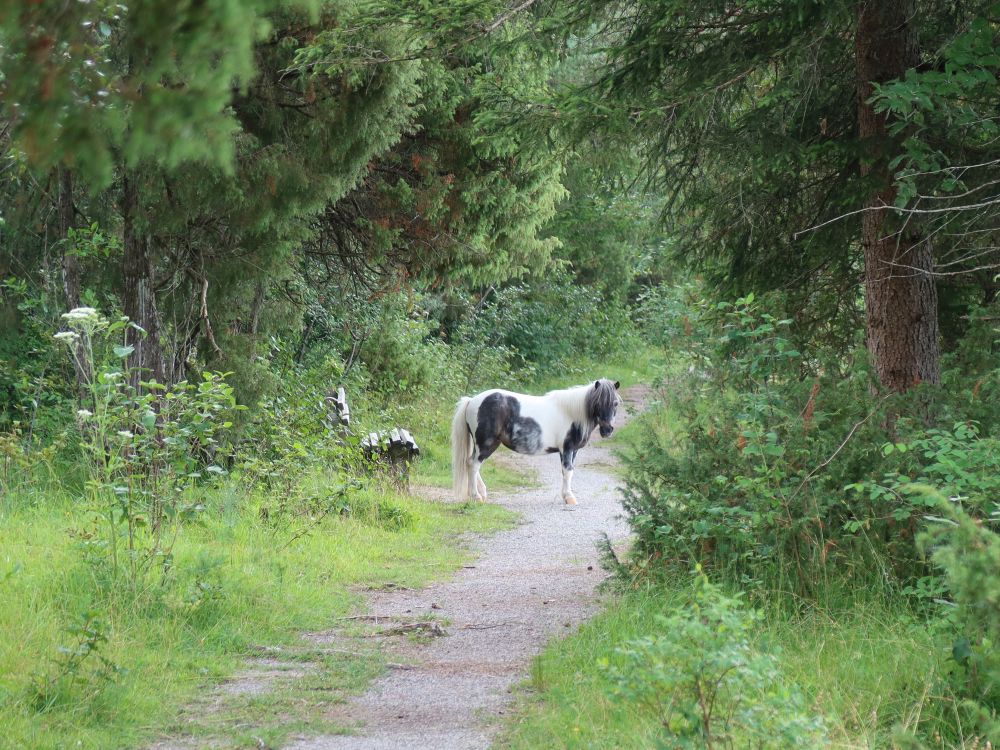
(240,583)
(865,665)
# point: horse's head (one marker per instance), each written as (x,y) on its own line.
(602,404)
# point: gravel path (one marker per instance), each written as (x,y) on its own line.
(528,586)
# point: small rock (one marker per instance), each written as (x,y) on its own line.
(435,605)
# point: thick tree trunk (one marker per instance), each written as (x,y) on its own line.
(139,299)
(900,292)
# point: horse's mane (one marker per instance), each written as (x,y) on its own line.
(585,402)
(601,400)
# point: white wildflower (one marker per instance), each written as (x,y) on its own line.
(67,336)
(125,434)
(81,313)
(84,413)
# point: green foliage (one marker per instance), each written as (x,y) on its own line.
(553,321)
(772,465)
(967,548)
(70,667)
(956,460)
(735,489)
(85,81)
(707,686)
(942,113)
(143,451)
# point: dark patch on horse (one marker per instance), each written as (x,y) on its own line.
(492,413)
(575,439)
(525,435)
(551,450)
(499,422)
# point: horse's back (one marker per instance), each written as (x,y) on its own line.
(524,423)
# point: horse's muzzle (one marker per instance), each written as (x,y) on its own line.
(606,430)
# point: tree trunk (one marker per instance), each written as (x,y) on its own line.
(900,292)
(70,268)
(255,309)
(70,263)
(139,300)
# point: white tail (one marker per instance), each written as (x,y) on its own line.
(461,450)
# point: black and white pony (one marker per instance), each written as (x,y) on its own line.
(558,422)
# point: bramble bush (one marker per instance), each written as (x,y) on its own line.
(737,490)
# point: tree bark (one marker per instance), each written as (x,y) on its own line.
(139,299)
(900,291)
(70,263)
(70,268)
(255,309)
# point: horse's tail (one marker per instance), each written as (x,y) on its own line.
(461,450)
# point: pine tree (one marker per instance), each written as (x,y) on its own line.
(759,126)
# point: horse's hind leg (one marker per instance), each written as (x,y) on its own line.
(567,477)
(477,489)
(474,480)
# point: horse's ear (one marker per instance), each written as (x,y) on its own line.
(617,384)
(597,384)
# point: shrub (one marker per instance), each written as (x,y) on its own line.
(966,548)
(735,487)
(786,465)
(143,450)
(706,686)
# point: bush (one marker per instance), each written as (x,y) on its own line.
(785,465)
(706,686)
(735,487)
(143,450)
(555,320)
(967,549)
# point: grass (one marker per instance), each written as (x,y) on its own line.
(240,584)
(642,365)
(864,664)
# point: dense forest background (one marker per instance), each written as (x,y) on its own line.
(783,215)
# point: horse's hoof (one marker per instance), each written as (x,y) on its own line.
(570,500)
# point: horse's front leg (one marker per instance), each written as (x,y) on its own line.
(568,457)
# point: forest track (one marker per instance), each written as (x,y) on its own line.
(459,647)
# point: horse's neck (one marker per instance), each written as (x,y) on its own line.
(573,402)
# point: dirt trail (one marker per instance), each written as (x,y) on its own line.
(528,585)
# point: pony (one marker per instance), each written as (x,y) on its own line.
(558,422)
